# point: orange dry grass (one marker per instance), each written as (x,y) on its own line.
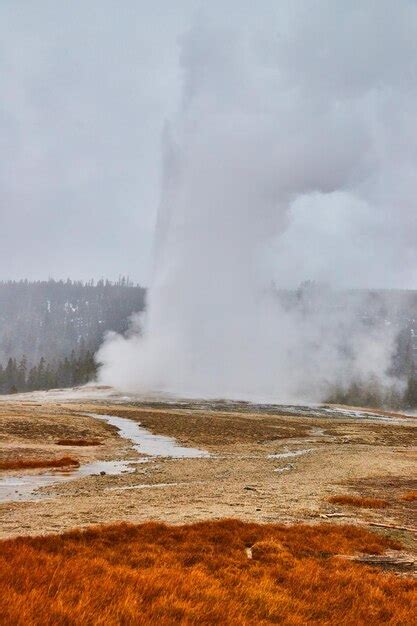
(200,574)
(410,496)
(65,461)
(78,442)
(369,503)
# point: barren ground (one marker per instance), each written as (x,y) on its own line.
(346,456)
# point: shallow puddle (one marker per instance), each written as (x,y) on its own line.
(287,468)
(146,442)
(22,488)
(286,455)
(317,432)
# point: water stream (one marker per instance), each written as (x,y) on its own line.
(24,487)
(146,442)
(20,488)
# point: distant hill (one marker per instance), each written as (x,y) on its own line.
(51,319)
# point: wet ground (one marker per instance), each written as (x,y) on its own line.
(187,461)
(30,486)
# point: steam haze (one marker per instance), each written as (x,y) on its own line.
(291,158)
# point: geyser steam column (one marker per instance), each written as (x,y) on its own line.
(255,137)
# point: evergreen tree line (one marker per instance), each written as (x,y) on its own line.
(51,318)
(50,330)
(371,393)
(401,393)
(18,376)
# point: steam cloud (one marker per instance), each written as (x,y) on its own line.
(292,158)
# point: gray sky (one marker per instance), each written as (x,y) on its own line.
(328,88)
(85,90)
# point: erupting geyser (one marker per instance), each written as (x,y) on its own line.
(291,158)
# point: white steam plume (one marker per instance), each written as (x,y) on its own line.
(292,157)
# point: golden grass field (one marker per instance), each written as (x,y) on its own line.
(224,572)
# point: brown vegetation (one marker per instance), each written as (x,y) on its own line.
(17,464)
(224,572)
(369,503)
(78,442)
(410,496)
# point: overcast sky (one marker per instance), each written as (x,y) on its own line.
(85,90)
